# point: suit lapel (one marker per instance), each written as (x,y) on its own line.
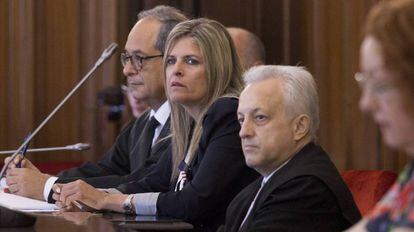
(275,181)
(243,205)
(141,148)
(280,177)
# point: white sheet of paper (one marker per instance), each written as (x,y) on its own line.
(3,184)
(25,204)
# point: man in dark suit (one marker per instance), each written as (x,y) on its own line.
(141,143)
(300,188)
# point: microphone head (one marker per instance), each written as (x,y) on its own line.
(106,54)
(109,50)
(81,146)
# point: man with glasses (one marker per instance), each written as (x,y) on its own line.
(143,141)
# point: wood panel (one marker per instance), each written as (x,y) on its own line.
(57,72)
(3,74)
(100,28)
(20,70)
(50,46)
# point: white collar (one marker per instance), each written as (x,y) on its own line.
(162,113)
(266,178)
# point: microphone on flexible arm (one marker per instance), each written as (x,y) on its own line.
(106,54)
(74,147)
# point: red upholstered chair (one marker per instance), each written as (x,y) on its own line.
(55,168)
(368,186)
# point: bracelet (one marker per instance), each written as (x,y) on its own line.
(128,205)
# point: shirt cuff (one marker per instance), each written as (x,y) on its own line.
(48,186)
(110,190)
(145,203)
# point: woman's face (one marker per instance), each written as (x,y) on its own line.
(386,98)
(185,73)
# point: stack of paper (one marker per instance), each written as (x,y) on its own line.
(25,204)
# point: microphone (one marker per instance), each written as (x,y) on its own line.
(74,147)
(106,54)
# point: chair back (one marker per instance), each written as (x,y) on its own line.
(368,186)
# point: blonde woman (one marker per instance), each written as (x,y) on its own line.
(205,168)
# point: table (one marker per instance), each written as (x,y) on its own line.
(85,221)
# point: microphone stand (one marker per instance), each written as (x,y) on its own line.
(74,147)
(106,54)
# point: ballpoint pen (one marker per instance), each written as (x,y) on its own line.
(23,152)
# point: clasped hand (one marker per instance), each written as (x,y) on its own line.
(78,196)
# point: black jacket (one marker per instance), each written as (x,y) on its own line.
(307,194)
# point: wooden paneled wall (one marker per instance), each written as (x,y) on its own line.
(46,46)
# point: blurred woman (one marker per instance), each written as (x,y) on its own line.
(387,81)
(205,168)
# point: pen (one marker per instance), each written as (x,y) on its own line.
(23,152)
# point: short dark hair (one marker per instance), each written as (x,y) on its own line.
(169,17)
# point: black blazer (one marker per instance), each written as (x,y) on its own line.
(124,162)
(218,171)
(307,194)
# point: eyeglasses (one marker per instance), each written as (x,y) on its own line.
(378,89)
(136,60)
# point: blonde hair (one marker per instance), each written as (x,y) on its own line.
(223,74)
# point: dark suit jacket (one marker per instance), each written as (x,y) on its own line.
(219,172)
(307,194)
(124,162)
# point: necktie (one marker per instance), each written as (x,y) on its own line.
(147,138)
(152,125)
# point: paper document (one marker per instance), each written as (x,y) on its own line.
(25,204)
(3,184)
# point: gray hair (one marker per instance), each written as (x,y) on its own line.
(299,90)
(169,17)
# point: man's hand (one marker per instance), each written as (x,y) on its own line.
(14,162)
(27,181)
(25,163)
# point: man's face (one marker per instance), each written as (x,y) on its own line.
(146,83)
(266,133)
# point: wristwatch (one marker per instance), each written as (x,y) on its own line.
(128,205)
